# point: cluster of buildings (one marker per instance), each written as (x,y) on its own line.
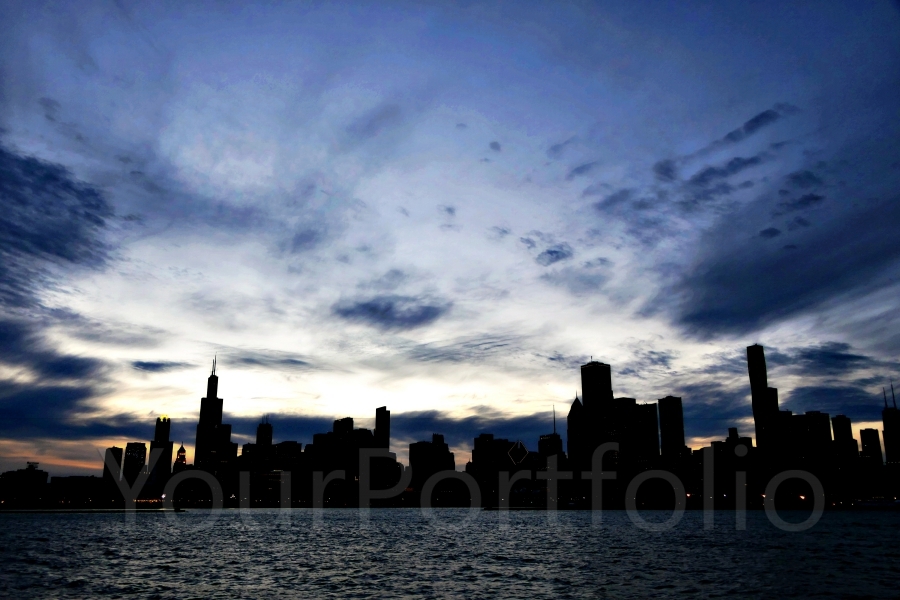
(604,434)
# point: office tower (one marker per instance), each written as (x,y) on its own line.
(644,435)
(871,446)
(383,427)
(890,420)
(343,426)
(264,435)
(113,456)
(817,439)
(551,444)
(576,426)
(671,428)
(846,448)
(596,383)
(214,449)
(180,460)
(428,458)
(162,468)
(135,460)
(764,398)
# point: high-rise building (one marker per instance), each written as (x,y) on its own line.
(671,428)
(214,450)
(645,435)
(382,427)
(846,448)
(890,420)
(264,434)
(596,383)
(180,460)
(551,444)
(113,457)
(871,446)
(162,468)
(135,460)
(764,399)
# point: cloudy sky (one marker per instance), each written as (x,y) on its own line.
(444,209)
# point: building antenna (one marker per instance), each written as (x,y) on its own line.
(893,397)
(885,396)
(214,364)
(554,419)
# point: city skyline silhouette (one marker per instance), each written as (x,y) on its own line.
(635,442)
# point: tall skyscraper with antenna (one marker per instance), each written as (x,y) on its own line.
(214,450)
(890,421)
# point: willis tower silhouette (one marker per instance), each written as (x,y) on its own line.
(214,450)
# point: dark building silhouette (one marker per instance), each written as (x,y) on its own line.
(135,461)
(764,399)
(162,468)
(645,436)
(890,420)
(551,444)
(846,448)
(428,458)
(24,488)
(731,472)
(113,456)
(871,446)
(180,460)
(214,451)
(382,427)
(671,429)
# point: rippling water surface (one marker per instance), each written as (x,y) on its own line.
(452,553)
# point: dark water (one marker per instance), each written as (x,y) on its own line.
(400,553)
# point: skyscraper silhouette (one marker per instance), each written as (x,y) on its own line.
(382,427)
(764,399)
(671,429)
(871,446)
(162,469)
(214,449)
(135,460)
(890,420)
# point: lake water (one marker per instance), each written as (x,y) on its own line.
(397,553)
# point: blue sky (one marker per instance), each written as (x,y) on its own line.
(442,209)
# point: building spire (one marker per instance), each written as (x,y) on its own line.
(214,364)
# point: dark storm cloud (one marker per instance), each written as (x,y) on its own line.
(393,311)
(854,402)
(803,179)
(581,170)
(41,410)
(159,366)
(495,146)
(831,358)
(803,202)
(738,286)
(710,175)
(769,233)
(750,127)
(48,218)
(21,345)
